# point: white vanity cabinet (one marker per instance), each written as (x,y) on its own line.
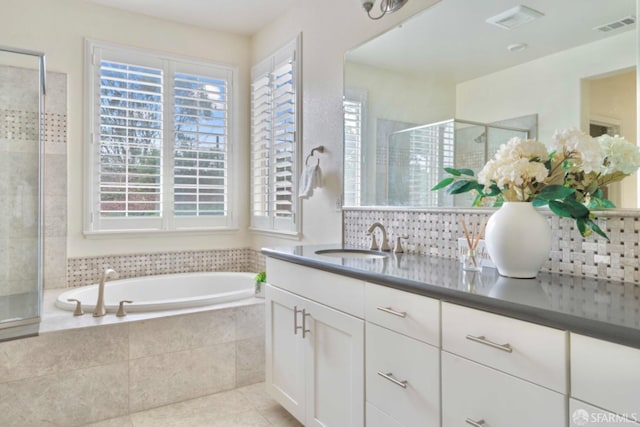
(605,375)
(315,353)
(402,358)
(501,372)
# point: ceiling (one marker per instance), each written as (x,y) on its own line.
(244,17)
(452,38)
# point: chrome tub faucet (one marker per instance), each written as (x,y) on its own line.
(106,275)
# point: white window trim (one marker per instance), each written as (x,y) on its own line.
(137,226)
(271,225)
(360,96)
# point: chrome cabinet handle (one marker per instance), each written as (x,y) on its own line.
(305,331)
(475,423)
(389,376)
(482,340)
(295,320)
(389,310)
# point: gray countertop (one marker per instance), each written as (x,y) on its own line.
(598,308)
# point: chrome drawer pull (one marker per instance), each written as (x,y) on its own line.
(483,340)
(389,310)
(389,376)
(305,331)
(475,423)
(295,320)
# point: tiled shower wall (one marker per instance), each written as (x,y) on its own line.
(435,232)
(87,270)
(19,179)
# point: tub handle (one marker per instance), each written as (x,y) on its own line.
(121,312)
(78,311)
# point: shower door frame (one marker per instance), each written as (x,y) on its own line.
(25,327)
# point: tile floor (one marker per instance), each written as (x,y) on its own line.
(243,407)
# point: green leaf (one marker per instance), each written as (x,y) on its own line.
(608,204)
(554,192)
(462,186)
(539,202)
(493,191)
(467,172)
(452,171)
(597,194)
(559,209)
(597,229)
(582,226)
(477,200)
(443,183)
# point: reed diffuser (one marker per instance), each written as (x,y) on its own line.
(468,258)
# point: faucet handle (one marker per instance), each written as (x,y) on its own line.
(398,248)
(78,311)
(121,312)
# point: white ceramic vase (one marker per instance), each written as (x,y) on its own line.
(518,240)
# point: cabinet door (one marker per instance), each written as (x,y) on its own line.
(473,394)
(285,351)
(335,367)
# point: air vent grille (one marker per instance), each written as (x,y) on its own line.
(514,17)
(615,25)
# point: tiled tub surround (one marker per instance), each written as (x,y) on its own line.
(435,232)
(110,367)
(87,270)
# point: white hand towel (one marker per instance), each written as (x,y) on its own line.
(310,179)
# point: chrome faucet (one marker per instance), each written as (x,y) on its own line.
(106,275)
(374,244)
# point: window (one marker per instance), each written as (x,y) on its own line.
(275,136)
(160,143)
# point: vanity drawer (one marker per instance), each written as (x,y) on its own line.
(475,393)
(340,292)
(410,314)
(580,411)
(377,418)
(605,374)
(401,358)
(526,350)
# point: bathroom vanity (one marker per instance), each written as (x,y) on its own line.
(411,340)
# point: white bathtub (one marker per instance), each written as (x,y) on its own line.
(166,292)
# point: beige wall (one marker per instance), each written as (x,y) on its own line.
(549,86)
(59,28)
(614,98)
(329,28)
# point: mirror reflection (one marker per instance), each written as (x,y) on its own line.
(452,84)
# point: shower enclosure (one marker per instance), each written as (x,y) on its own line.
(22,89)
(417,157)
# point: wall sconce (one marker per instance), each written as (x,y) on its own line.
(386,6)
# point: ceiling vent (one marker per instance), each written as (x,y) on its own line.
(615,25)
(515,17)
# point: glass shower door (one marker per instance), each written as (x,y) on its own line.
(21,109)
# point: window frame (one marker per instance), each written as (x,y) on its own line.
(270,224)
(167,222)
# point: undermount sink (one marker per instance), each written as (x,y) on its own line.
(351,253)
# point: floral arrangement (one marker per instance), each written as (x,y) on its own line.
(569,179)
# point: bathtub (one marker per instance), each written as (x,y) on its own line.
(166,292)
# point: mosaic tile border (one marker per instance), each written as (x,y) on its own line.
(83,271)
(436,232)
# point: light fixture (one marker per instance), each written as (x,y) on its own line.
(517,47)
(386,6)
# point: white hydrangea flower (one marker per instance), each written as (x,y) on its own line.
(621,155)
(584,149)
(517,148)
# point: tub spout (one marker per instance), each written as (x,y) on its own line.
(106,275)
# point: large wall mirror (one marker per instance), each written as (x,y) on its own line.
(447,88)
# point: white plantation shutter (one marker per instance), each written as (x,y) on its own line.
(352,152)
(161,142)
(274,141)
(130,140)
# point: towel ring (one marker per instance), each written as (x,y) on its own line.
(319,149)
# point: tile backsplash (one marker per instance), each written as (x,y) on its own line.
(435,232)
